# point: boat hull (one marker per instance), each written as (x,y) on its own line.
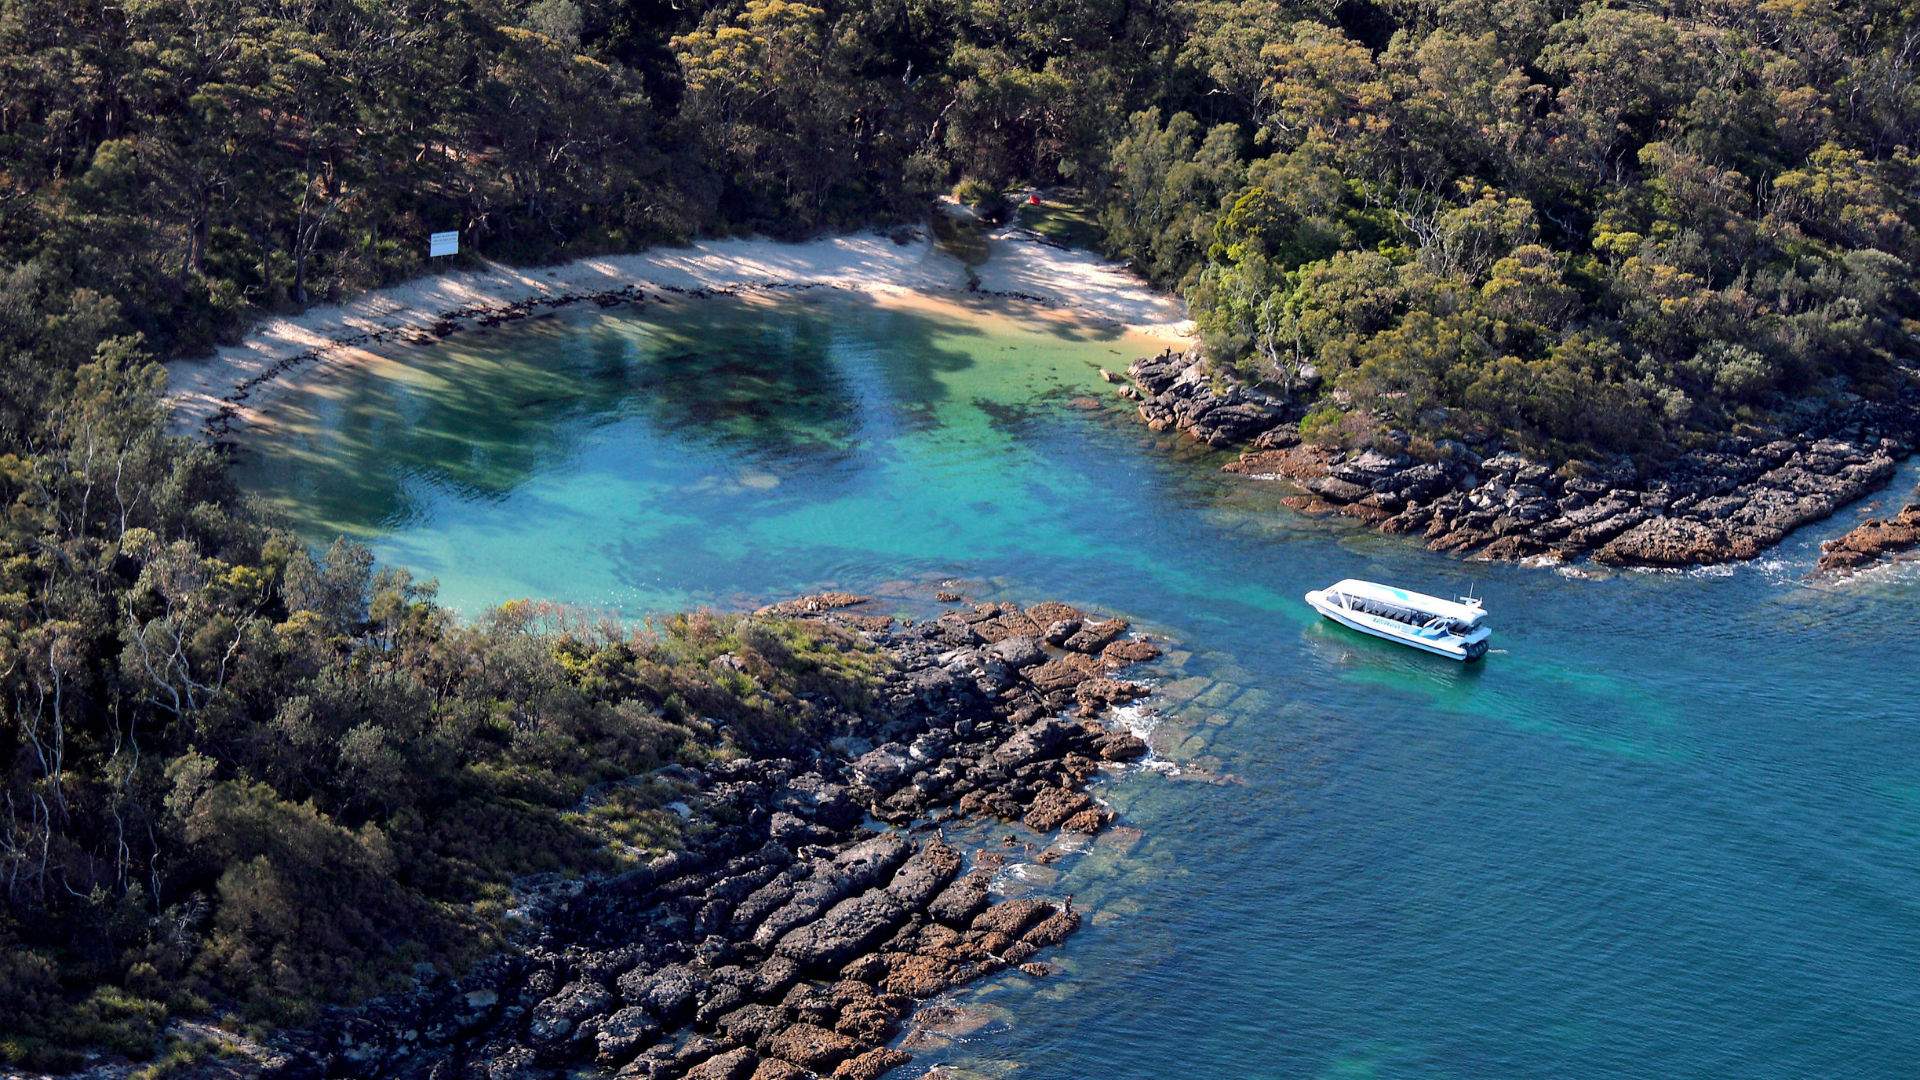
(1464,654)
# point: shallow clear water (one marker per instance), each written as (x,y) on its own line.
(1670,828)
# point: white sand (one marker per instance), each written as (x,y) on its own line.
(1065,282)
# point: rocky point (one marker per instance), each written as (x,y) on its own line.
(1717,504)
(820,899)
(1873,540)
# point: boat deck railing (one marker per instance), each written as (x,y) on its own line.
(1410,615)
(1427,623)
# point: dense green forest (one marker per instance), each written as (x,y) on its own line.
(239,774)
(1586,227)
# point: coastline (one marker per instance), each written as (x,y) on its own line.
(1875,541)
(819,901)
(235,386)
(1726,503)
(1719,504)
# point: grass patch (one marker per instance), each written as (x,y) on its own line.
(1062,220)
(184,1056)
(634,820)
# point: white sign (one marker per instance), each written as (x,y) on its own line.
(443,243)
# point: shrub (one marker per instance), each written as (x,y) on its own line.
(983,198)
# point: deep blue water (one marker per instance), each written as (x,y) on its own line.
(1671,827)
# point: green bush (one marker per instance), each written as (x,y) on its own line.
(983,198)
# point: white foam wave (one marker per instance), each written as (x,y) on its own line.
(1016,878)
(1136,718)
(1892,571)
(1069,843)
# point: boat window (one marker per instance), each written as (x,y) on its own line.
(1410,616)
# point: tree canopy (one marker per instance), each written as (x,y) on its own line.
(1586,228)
(243,777)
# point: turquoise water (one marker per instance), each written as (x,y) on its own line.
(1670,828)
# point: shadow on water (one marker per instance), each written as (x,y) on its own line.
(472,419)
(766,389)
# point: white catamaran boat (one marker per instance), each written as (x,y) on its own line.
(1445,627)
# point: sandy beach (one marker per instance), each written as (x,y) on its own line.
(236,385)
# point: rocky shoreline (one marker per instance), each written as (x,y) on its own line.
(818,900)
(1721,504)
(1874,540)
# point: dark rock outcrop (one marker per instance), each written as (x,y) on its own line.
(1721,503)
(1179,392)
(1873,540)
(791,940)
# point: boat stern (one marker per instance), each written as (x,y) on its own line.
(1474,645)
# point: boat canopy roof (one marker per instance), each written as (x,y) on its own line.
(1468,614)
